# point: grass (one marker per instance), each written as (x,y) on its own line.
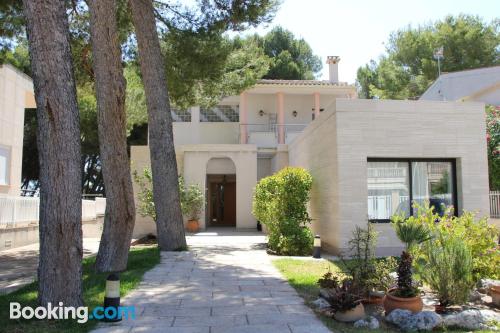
(303,276)
(140,260)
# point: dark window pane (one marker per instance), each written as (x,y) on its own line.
(181,116)
(432,181)
(388,190)
(220,113)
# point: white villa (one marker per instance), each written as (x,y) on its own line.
(16,94)
(369,159)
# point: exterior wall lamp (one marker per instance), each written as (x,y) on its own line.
(294,113)
(261,113)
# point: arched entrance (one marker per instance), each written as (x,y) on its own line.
(221,193)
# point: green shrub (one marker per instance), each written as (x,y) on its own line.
(280,203)
(146,205)
(366,271)
(191,197)
(448,269)
(192,200)
(478,235)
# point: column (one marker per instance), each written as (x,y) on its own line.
(316,105)
(281,118)
(243,118)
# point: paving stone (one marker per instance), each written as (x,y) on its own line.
(244,309)
(112,330)
(222,285)
(288,318)
(239,320)
(224,302)
(294,308)
(273,300)
(280,328)
(314,328)
(168,311)
(160,329)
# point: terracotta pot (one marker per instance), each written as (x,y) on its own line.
(391,302)
(374,300)
(354,314)
(440,308)
(193,226)
(495,295)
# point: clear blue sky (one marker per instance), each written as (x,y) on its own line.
(356,30)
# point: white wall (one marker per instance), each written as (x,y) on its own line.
(16,94)
(194,162)
(263,168)
(196,132)
(336,149)
(244,157)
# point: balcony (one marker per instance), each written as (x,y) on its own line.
(269,135)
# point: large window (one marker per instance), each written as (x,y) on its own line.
(220,113)
(4,165)
(394,184)
(181,116)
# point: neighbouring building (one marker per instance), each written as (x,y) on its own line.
(369,159)
(478,85)
(16,95)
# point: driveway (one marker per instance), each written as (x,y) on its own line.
(18,266)
(225,283)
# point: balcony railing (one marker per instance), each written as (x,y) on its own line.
(269,135)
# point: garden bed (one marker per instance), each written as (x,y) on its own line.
(303,275)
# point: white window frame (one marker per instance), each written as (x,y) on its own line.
(8,151)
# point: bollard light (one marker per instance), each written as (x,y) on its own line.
(317,247)
(112,298)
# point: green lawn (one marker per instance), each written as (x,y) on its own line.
(303,276)
(140,260)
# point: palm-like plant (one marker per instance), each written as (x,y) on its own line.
(411,233)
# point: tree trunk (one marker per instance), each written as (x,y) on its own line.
(60,262)
(169,224)
(110,90)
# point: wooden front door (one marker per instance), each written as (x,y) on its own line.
(222,201)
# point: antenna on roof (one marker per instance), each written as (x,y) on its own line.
(438,55)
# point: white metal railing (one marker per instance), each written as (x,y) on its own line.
(267,134)
(17,211)
(495,204)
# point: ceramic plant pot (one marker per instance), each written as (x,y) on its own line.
(391,302)
(374,297)
(352,315)
(495,295)
(193,226)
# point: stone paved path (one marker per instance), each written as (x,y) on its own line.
(18,266)
(225,283)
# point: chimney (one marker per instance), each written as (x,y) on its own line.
(333,64)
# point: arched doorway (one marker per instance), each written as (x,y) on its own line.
(221,193)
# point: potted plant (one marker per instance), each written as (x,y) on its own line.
(406,295)
(381,281)
(192,201)
(371,276)
(345,302)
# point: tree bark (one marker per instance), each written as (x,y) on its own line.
(169,223)
(110,90)
(60,262)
